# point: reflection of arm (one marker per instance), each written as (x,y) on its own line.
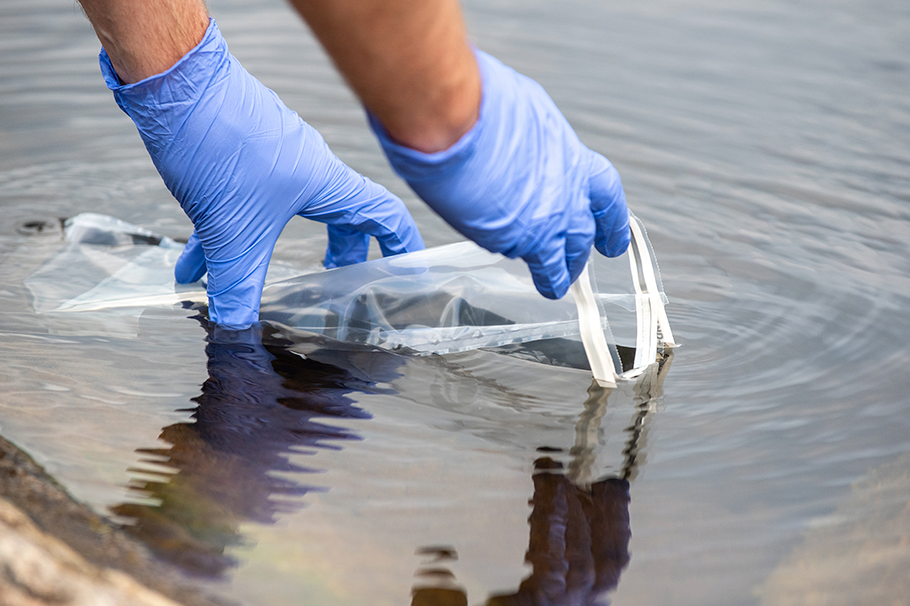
(608,515)
(579,542)
(409,61)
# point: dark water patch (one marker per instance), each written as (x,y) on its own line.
(41,227)
(230,465)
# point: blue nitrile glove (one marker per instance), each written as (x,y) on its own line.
(241,164)
(521,183)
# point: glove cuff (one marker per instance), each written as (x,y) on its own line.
(197,68)
(416,166)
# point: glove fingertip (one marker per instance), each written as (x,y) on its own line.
(398,234)
(621,246)
(190,266)
(551,284)
(608,204)
(576,263)
(346,246)
(613,240)
(237,308)
(233,317)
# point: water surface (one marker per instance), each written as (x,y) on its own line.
(767,148)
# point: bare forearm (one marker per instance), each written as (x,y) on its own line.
(146,37)
(409,61)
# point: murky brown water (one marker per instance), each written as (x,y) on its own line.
(767,148)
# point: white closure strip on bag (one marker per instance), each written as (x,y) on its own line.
(646,335)
(647,268)
(590,325)
(653,325)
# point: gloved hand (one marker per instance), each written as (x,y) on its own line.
(241,164)
(521,183)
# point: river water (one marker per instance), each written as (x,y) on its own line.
(766,145)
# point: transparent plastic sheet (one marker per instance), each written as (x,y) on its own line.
(441,300)
(110,265)
(107,264)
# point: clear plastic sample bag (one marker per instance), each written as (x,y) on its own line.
(440,300)
(460,297)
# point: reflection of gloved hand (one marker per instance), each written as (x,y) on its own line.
(521,183)
(241,164)
(230,463)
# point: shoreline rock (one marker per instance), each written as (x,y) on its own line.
(54,550)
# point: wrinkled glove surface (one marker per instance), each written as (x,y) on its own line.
(241,164)
(521,183)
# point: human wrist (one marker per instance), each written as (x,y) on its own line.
(435,118)
(201,57)
(416,165)
(149,37)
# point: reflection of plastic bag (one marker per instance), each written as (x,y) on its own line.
(440,300)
